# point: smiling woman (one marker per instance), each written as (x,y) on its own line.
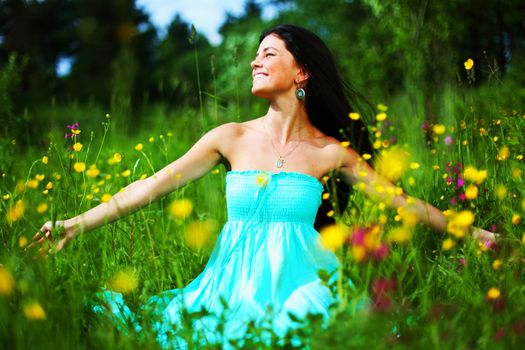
(266,265)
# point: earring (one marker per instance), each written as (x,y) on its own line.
(300,93)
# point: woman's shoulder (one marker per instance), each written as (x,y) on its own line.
(234,128)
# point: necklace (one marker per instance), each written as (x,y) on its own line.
(282,157)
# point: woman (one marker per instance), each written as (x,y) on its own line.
(268,255)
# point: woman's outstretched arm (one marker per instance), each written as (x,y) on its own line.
(357,171)
(201,158)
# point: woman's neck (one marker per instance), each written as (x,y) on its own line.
(287,121)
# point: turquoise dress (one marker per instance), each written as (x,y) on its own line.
(263,267)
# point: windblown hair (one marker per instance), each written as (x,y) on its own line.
(329,100)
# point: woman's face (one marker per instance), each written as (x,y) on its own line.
(274,69)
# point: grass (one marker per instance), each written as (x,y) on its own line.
(420,294)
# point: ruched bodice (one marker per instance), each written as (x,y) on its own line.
(258,196)
(264,265)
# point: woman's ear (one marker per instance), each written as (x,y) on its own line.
(302,76)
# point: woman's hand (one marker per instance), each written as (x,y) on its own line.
(45,234)
(484,235)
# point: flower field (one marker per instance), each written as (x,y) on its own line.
(410,287)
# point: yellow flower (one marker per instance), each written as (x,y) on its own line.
(400,234)
(493,293)
(381,107)
(326,195)
(143,176)
(6,197)
(32,184)
(333,236)
(7,282)
(516,219)
(261,179)
(42,208)
(392,163)
(39,177)
(79,167)
(345,144)
(199,233)
(330,214)
(358,252)
(22,241)
(123,281)
(139,147)
(77,146)
(34,311)
(75,131)
(459,223)
(517,173)
(16,212)
(474,175)
(117,157)
(439,129)
(381,117)
(448,244)
(93,171)
(414,165)
(125,173)
(354,116)
(471,192)
(181,208)
(503,153)
(501,191)
(49,185)
(469,64)
(45,159)
(151,139)
(105,197)
(496,265)
(367,156)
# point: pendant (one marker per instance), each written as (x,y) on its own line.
(280,162)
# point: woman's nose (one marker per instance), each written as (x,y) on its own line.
(255,63)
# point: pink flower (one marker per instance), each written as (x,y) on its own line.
(381,252)
(448,140)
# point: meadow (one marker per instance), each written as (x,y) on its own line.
(412,288)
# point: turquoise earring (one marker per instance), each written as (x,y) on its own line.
(300,93)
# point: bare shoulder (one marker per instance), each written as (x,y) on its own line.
(227,130)
(339,153)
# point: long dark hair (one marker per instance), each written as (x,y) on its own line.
(329,101)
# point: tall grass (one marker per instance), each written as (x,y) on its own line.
(422,294)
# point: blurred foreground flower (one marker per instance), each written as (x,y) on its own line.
(474,175)
(459,223)
(392,163)
(16,212)
(365,243)
(7,282)
(34,311)
(123,281)
(181,208)
(198,234)
(333,236)
(261,179)
(381,290)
